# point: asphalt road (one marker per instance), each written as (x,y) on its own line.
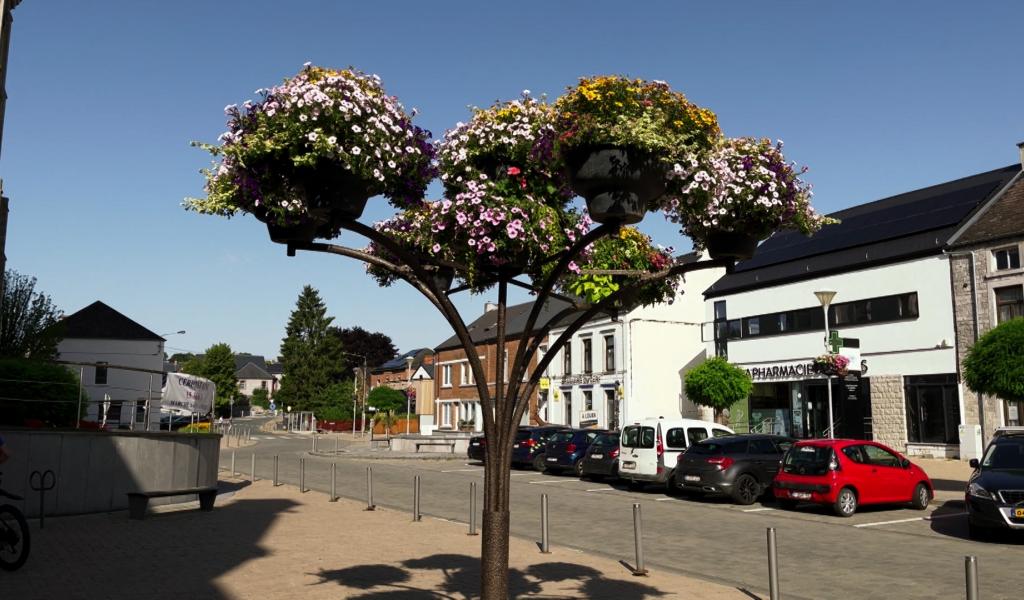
(888,552)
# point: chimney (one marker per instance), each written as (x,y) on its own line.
(489,306)
(1020,146)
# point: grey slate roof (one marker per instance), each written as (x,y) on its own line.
(1000,220)
(910,225)
(484,328)
(243,359)
(252,371)
(398,363)
(99,321)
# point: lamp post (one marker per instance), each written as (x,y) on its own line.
(408,388)
(825,298)
(355,395)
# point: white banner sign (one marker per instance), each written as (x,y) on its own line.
(188,394)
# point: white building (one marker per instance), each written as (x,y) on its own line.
(105,340)
(616,371)
(894,296)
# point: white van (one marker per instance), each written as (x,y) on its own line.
(648,448)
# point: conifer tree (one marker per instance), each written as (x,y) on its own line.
(310,355)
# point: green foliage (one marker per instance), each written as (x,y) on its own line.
(260,398)
(995,364)
(29,321)
(335,399)
(310,355)
(629,250)
(40,391)
(218,365)
(384,398)
(717,383)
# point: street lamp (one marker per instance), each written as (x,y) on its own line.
(408,396)
(825,298)
(355,394)
(182,332)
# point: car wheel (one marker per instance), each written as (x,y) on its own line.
(746,489)
(539,463)
(846,503)
(672,486)
(635,485)
(578,469)
(922,496)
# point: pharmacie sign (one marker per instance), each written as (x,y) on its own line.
(782,371)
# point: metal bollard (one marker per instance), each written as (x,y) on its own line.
(369,489)
(252,469)
(416,499)
(276,457)
(773,566)
(334,482)
(336,442)
(472,508)
(314,443)
(971,568)
(544,524)
(302,475)
(232,464)
(638,539)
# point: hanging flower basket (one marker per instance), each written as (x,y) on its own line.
(301,233)
(618,183)
(443,278)
(333,194)
(831,365)
(737,245)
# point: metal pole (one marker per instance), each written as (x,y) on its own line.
(334,482)
(828,380)
(337,439)
(971,568)
(773,566)
(544,524)
(78,418)
(302,475)
(232,464)
(276,457)
(149,400)
(472,508)
(638,540)
(252,468)
(314,442)
(416,498)
(369,489)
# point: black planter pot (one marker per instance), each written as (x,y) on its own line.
(303,232)
(334,194)
(732,244)
(443,278)
(619,184)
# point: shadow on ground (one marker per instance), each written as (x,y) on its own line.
(461,581)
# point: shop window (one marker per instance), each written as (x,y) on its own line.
(1009,303)
(1006,258)
(933,409)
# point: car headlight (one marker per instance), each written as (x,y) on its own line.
(979,492)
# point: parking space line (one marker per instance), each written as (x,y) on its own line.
(911,520)
(563,481)
(602,490)
(664,499)
(763,508)
(459,470)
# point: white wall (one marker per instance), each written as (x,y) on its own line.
(121,384)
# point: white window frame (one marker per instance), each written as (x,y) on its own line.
(446,376)
(1007,249)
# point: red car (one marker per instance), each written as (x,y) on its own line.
(848,473)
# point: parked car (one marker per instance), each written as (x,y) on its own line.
(602,457)
(565,450)
(528,448)
(995,492)
(477,449)
(849,473)
(648,449)
(740,466)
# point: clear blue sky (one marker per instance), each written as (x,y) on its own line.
(875,97)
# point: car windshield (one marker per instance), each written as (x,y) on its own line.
(561,437)
(807,460)
(522,434)
(1005,454)
(636,436)
(712,448)
(606,439)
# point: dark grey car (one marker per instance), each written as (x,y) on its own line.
(740,466)
(602,457)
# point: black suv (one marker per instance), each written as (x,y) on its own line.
(741,466)
(995,492)
(528,449)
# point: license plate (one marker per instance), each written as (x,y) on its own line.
(691,477)
(1018,513)
(515,445)
(552,460)
(800,495)
(597,456)
(629,465)
(476,443)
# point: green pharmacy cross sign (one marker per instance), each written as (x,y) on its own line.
(835,342)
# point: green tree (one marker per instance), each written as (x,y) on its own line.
(995,364)
(29,321)
(385,399)
(260,398)
(335,402)
(375,346)
(218,365)
(310,355)
(718,384)
(45,392)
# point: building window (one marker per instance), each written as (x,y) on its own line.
(612,409)
(1014,412)
(263,385)
(466,374)
(101,374)
(567,359)
(721,330)
(588,400)
(568,405)
(609,354)
(1009,303)
(898,307)
(933,409)
(446,376)
(1007,258)
(588,362)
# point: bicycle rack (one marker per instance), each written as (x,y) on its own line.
(42,482)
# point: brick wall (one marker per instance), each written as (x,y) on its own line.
(488,356)
(888,411)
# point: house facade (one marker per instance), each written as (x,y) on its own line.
(410,373)
(616,371)
(892,314)
(252,373)
(988,289)
(117,358)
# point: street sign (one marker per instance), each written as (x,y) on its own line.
(273,406)
(835,342)
(545,383)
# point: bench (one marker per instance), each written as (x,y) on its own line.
(138,501)
(436,443)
